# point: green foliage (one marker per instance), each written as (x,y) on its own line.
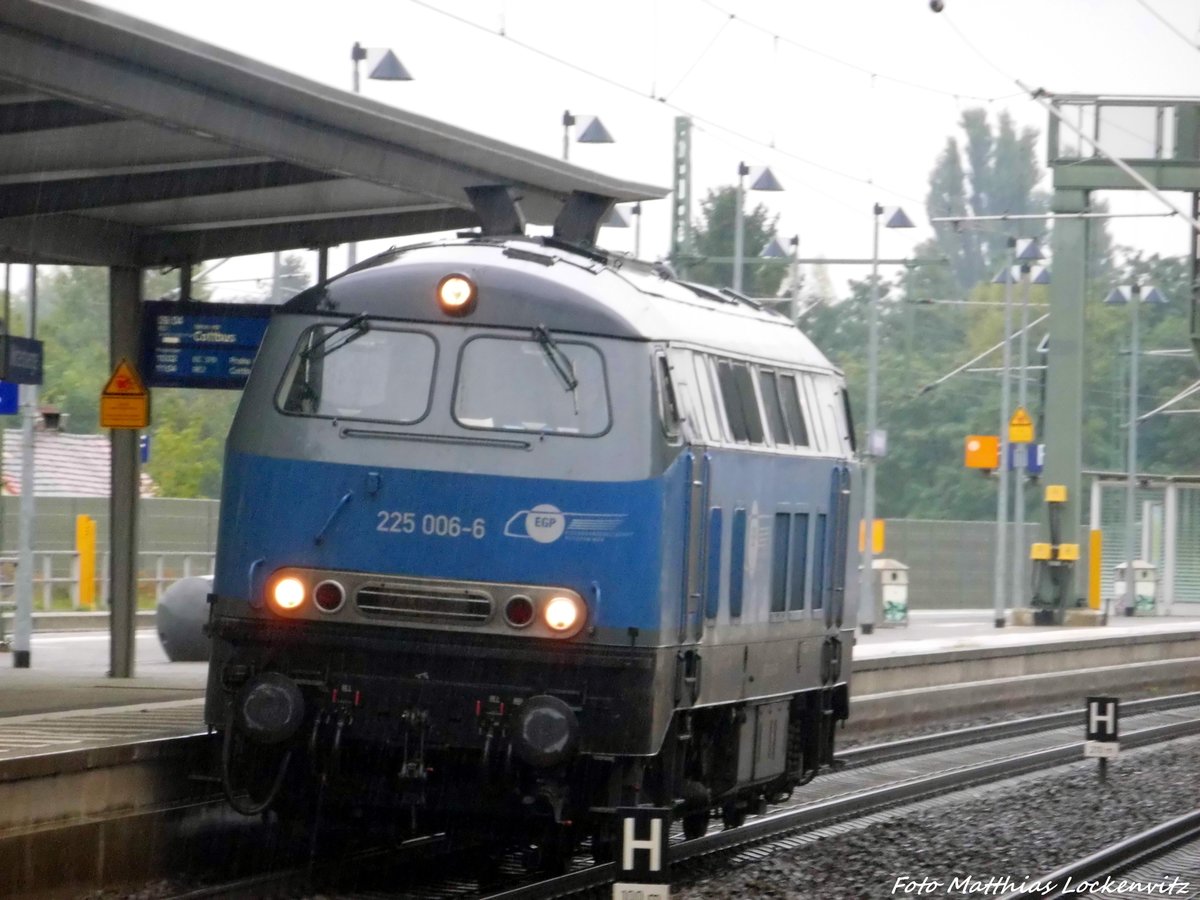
(998,177)
(714,237)
(994,171)
(187,442)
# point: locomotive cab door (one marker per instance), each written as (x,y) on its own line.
(678,392)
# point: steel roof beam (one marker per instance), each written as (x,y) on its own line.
(203,113)
(65,195)
(67,240)
(161,248)
(271,113)
(46,115)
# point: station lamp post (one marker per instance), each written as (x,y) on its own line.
(1028,251)
(1135,295)
(589,130)
(763,180)
(383,65)
(889,217)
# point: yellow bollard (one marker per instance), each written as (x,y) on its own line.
(85,546)
(1095,554)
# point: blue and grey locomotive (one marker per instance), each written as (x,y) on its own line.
(514,528)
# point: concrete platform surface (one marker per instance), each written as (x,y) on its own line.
(938,631)
(69,671)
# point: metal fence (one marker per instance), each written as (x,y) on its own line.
(56,574)
(1166,533)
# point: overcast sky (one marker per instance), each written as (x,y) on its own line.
(848,102)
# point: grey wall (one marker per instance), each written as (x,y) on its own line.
(952,564)
(165,524)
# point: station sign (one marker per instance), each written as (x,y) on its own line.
(10,402)
(1033,456)
(201,345)
(20,360)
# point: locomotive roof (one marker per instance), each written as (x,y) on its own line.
(527,282)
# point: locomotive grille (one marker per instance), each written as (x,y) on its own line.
(423,603)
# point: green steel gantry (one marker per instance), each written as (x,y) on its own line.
(1159,139)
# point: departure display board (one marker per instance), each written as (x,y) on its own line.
(201,345)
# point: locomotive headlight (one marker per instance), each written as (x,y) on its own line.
(456,295)
(288,593)
(562,613)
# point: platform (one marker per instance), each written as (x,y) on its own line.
(68,681)
(947,630)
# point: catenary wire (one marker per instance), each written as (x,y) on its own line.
(1154,12)
(679,109)
(916,85)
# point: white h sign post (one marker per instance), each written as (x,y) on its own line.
(642,863)
(1103,735)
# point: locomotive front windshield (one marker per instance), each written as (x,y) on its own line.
(542,385)
(360,371)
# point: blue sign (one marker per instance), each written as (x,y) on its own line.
(1034,461)
(9,402)
(144,447)
(20,360)
(201,345)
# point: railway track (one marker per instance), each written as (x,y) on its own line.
(1125,869)
(872,781)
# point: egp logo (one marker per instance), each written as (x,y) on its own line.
(545,523)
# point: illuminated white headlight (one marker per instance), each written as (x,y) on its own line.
(562,613)
(288,593)
(456,295)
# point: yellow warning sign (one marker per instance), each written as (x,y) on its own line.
(1020,427)
(124,402)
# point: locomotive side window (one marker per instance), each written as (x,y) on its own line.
(669,410)
(544,385)
(709,397)
(818,580)
(774,409)
(373,373)
(793,410)
(732,401)
(799,566)
(820,440)
(689,393)
(750,410)
(741,403)
(779,561)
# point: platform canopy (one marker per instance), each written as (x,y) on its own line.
(122,143)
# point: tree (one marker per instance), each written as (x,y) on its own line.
(985,171)
(714,238)
(996,173)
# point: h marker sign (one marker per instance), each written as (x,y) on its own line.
(642,864)
(1103,736)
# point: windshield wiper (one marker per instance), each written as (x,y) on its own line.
(357,325)
(559,360)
